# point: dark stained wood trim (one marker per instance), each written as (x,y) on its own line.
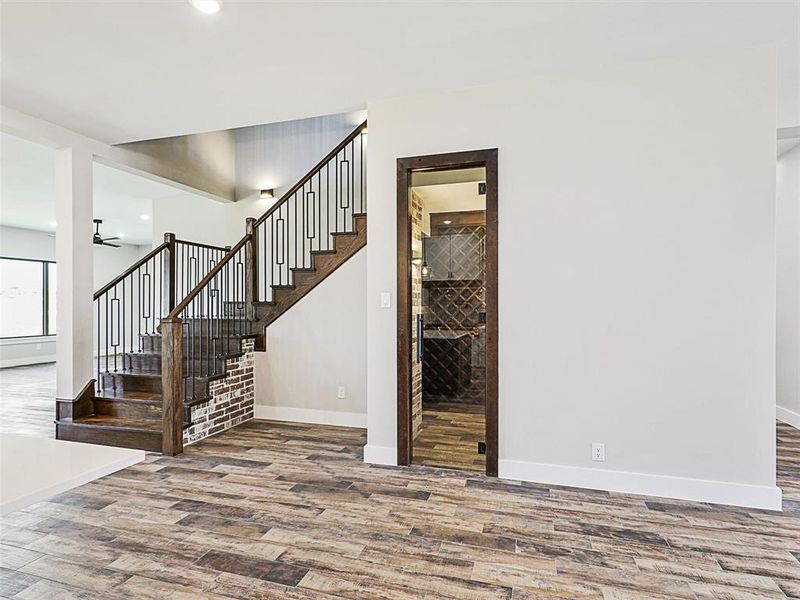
(491,270)
(169,273)
(251,268)
(404,438)
(442,162)
(172,386)
(68,409)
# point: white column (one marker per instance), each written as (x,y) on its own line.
(75,258)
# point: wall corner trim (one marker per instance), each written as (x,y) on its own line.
(380,455)
(666,486)
(788,416)
(311,415)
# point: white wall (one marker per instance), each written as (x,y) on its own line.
(317,346)
(26,243)
(636,271)
(787,219)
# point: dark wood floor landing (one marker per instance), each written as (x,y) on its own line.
(278,510)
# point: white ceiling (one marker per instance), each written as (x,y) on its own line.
(27,193)
(124,71)
(451,197)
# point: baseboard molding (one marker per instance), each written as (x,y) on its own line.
(788,416)
(311,415)
(380,455)
(682,488)
(26,361)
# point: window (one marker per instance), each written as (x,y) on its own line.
(27,298)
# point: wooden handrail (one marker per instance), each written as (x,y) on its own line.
(201,245)
(129,270)
(209,276)
(311,173)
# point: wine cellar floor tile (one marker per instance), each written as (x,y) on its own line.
(449,436)
(287,510)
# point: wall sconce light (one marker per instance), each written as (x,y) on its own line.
(266,194)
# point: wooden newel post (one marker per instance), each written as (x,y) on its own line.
(172,385)
(168,276)
(251,269)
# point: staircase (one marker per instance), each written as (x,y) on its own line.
(168,326)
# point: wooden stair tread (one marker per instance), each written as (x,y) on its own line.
(128,396)
(153,425)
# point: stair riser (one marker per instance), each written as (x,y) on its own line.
(130,382)
(109,436)
(231,344)
(131,410)
(152,363)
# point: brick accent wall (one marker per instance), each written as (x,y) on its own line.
(416,308)
(232,399)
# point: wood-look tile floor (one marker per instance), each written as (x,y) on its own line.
(279,510)
(449,436)
(28,400)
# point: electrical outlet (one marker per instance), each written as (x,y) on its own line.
(386,300)
(598,451)
(340,392)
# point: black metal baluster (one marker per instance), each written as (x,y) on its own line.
(99,379)
(106,328)
(122,321)
(337,191)
(361,175)
(327,205)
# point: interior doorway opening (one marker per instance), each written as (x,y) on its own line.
(447,311)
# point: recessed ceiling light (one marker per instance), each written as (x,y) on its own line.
(447,222)
(208,7)
(53,224)
(144,217)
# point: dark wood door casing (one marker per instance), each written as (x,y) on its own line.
(444,162)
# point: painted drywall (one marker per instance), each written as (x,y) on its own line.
(26,243)
(204,161)
(636,274)
(273,156)
(276,155)
(317,346)
(787,233)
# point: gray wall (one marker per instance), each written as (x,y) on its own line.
(278,154)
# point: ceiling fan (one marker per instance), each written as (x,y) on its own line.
(98,239)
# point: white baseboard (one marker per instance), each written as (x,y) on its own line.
(683,488)
(25,361)
(380,455)
(311,415)
(789,416)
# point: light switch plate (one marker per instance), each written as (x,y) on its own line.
(386,300)
(340,392)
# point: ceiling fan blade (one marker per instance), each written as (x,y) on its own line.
(112,245)
(108,239)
